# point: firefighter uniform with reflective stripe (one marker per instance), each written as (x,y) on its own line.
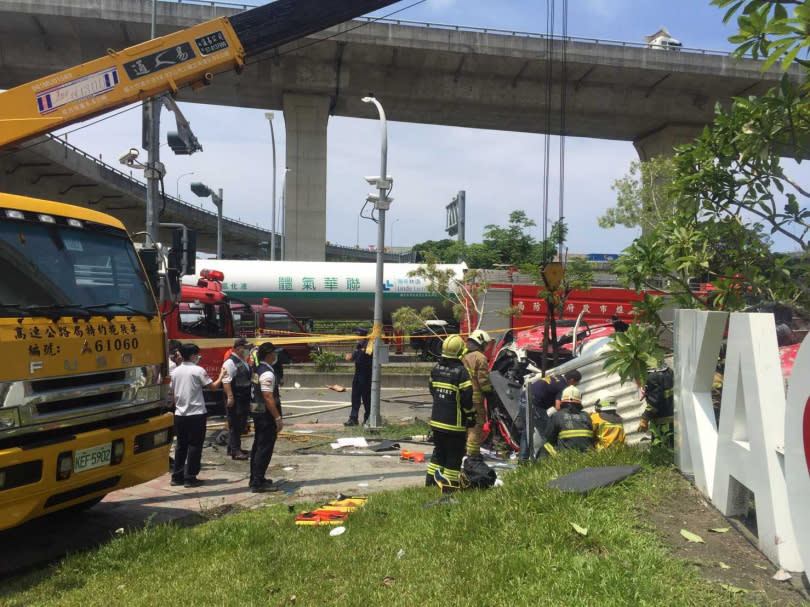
(477,366)
(569,428)
(452,414)
(660,408)
(608,429)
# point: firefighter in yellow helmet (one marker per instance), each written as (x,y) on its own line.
(452,414)
(608,426)
(476,363)
(570,427)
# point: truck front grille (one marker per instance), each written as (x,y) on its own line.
(70,404)
(73,381)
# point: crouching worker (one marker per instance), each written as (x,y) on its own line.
(452,414)
(570,427)
(608,426)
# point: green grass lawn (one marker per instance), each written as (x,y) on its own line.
(510,546)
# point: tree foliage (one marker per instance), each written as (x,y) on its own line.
(768,31)
(510,245)
(642,196)
(731,194)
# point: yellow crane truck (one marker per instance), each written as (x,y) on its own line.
(83,376)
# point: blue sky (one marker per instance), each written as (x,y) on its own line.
(500,172)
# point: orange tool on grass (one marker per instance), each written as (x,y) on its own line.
(412,456)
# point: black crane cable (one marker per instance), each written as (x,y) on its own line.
(563,90)
(266,56)
(547,137)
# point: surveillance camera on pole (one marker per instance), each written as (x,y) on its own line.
(380,205)
(380,184)
(130,157)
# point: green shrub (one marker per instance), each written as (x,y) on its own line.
(325,361)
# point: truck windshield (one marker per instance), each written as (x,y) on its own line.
(92,268)
(280,322)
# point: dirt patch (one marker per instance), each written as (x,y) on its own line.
(743,568)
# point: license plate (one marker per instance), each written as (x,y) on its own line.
(94,457)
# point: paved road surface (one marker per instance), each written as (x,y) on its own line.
(316,416)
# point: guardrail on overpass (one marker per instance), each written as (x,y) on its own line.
(214,4)
(52,168)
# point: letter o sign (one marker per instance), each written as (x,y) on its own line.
(797,450)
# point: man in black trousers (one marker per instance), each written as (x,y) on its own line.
(265,409)
(361,383)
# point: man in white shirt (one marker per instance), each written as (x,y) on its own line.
(265,409)
(188,382)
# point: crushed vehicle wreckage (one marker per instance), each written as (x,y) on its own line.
(517,364)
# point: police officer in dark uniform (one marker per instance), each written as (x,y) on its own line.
(361,382)
(453,412)
(265,409)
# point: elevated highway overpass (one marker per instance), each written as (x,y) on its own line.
(51,168)
(424,73)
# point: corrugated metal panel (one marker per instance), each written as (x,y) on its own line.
(596,383)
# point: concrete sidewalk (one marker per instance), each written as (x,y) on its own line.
(302,475)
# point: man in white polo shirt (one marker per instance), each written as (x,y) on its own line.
(188,382)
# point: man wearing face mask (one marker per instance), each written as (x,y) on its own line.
(188,382)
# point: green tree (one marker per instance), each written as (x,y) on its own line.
(642,196)
(767,30)
(512,245)
(731,193)
(442,251)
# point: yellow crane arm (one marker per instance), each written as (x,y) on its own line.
(161,65)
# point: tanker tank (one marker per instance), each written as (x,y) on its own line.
(327,290)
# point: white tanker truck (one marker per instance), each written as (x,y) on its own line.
(326,290)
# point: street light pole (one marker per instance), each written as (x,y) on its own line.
(284,215)
(217,199)
(177,184)
(151,131)
(269,116)
(375,421)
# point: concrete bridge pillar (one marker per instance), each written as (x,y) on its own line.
(662,141)
(306,117)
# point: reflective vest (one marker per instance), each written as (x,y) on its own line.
(451,389)
(242,380)
(257,403)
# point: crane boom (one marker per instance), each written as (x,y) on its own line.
(187,57)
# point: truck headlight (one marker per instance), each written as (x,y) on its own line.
(9,418)
(148,394)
